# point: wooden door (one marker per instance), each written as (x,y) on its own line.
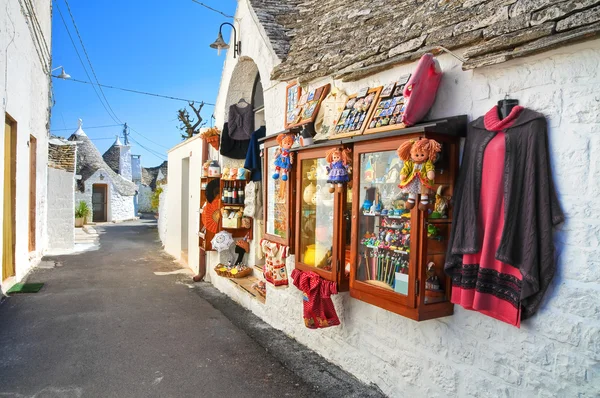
(32,191)
(99,201)
(10,162)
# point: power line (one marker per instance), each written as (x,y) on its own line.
(151,151)
(133,91)
(80,59)
(93,127)
(147,139)
(212,9)
(90,62)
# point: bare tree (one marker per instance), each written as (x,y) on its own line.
(188,125)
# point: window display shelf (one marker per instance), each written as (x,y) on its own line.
(396,265)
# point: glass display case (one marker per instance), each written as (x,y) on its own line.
(323,219)
(398,254)
(277,199)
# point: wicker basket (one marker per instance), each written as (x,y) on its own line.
(222,271)
(214,141)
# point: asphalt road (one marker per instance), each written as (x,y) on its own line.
(104,325)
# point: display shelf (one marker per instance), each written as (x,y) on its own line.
(278,200)
(323,220)
(407,279)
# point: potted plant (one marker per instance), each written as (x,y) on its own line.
(82,211)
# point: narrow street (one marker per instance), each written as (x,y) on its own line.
(105,325)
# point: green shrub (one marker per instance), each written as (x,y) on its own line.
(82,210)
(155,199)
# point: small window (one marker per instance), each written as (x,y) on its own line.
(258,102)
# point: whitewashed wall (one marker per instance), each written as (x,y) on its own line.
(192,149)
(557,352)
(125,166)
(163,214)
(144,199)
(24,95)
(61,199)
(120,208)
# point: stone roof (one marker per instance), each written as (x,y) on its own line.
(89,161)
(274,16)
(113,155)
(150,175)
(61,154)
(351,40)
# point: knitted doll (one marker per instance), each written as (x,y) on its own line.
(418,171)
(283,157)
(339,167)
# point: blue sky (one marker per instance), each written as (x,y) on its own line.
(154,46)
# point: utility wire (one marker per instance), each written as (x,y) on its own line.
(133,91)
(80,59)
(151,151)
(90,62)
(212,9)
(147,139)
(93,127)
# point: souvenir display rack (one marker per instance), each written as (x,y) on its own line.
(417,242)
(277,199)
(323,218)
(204,236)
(238,230)
(389,109)
(398,255)
(355,117)
(307,105)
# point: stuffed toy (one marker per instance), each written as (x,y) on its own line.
(283,157)
(339,167)
(418,172)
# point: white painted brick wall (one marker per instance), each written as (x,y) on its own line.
(557,352)
(61,199)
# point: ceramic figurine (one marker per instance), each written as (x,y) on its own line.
(441,204)
(418,172)
(312,174)
(339,167)
(283,157)
(242,174)
(233,172)
(225,173)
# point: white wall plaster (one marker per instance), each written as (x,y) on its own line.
(557,352)
(192,149)
(125,166)
(61,199)
(163,214)
(24,96)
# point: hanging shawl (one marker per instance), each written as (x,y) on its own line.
(531,205)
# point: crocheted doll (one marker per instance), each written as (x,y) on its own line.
(339,167)
(418,171)
(283,157)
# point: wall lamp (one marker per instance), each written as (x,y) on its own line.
(220,44)
(62,75)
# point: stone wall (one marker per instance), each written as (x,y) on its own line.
(557,352)
(144,199)
(61,202)
(25,97)
(62,157)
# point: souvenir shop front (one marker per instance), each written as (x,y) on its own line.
(403,225)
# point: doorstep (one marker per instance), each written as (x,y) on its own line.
(245,284)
